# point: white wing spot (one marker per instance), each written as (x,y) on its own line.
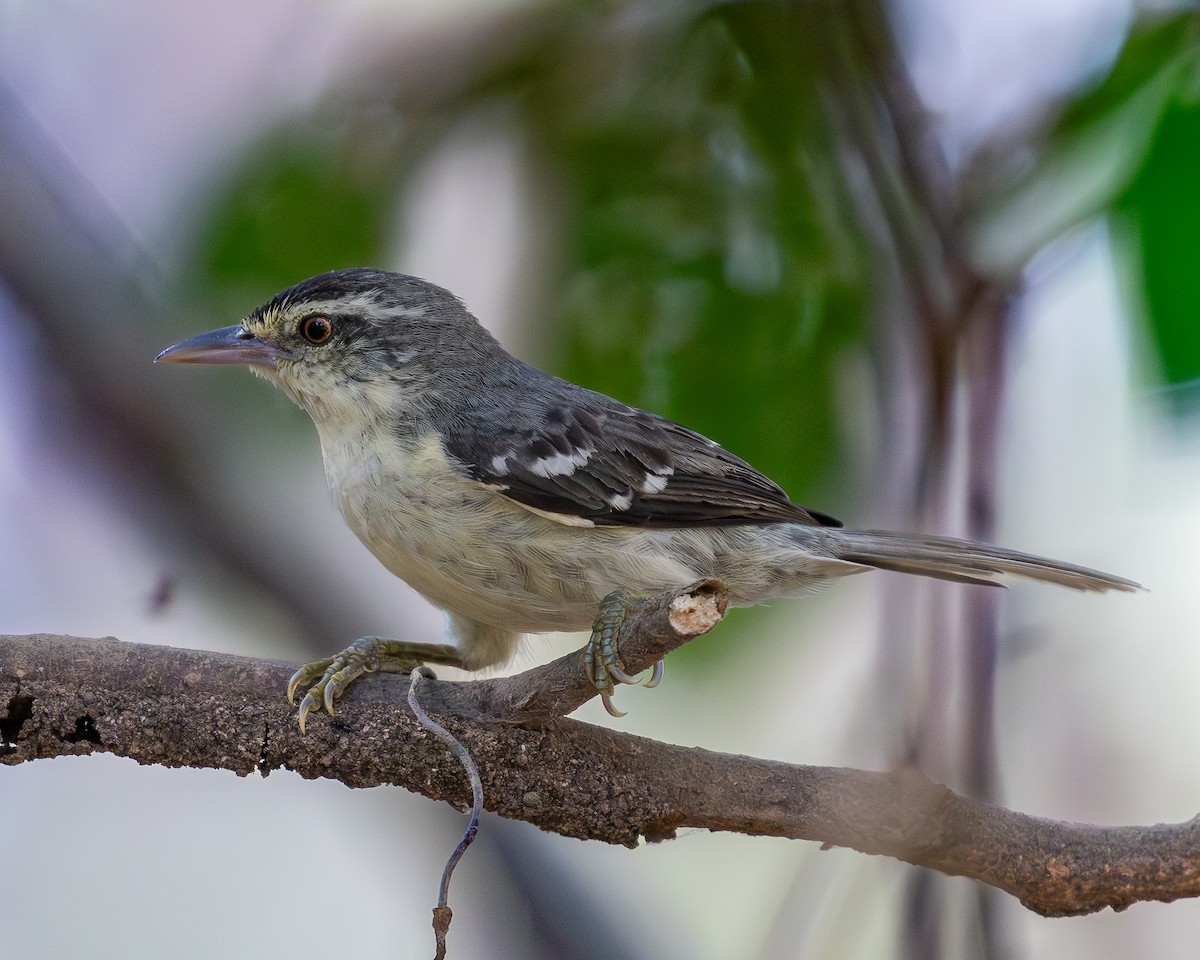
(500,463)
(621,502)
(655,482)
(561,464)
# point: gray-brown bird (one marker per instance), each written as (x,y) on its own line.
(517,502)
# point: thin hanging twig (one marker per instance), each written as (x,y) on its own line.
(442,914)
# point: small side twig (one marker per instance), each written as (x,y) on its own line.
(442,914)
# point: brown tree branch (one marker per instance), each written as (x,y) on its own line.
(68,695)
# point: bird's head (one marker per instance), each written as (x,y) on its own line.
(345,343)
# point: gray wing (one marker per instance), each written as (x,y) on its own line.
(581,454)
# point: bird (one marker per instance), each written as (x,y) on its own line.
(520,503)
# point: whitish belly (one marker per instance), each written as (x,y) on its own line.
(497,563)
(474,553)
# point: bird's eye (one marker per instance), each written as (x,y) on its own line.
(316,329)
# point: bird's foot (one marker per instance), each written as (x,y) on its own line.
(333,675)
(603,664)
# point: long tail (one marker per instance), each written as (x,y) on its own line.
(966,561)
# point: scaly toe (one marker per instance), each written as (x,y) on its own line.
(306,675)
(336,684)
(603,663)
(328,679)
(332,676)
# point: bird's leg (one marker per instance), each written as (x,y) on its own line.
(603,663)
(365,655)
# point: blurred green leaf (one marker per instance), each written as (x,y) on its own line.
(1151,47)
(709,271)
(1094,150)
(292,209)
(1163,202)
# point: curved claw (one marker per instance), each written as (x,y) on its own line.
(306,707)
(610,706)
(620,675)
(652,681)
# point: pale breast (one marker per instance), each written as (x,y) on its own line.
(473,552)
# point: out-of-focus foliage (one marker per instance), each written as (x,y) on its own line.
(1156,82)
(1155,48)
(1088,155)
(1163,203)
(1129,146)
(711,270)
(293,209)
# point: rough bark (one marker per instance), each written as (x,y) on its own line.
(69,695)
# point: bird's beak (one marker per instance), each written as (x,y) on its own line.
(228,345)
